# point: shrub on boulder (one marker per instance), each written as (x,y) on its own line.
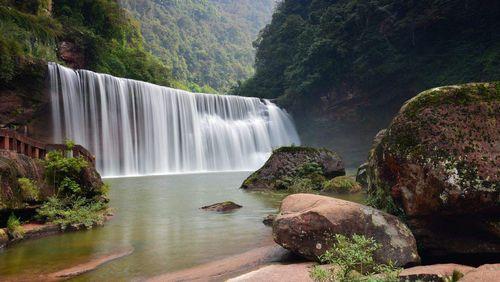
(342,184)
(437,165)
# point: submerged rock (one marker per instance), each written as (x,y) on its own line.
(287,164)
(438,165)
(307,223)
(222,207)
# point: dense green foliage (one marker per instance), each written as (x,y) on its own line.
(74,205)
(108,39)
(29,190)
(14,227)
(25,36)
(316,46)
(307,178)
(352,259)
(207,43)
(73,212)
(63,172)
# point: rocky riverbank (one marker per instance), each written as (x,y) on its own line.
(433,175)
(44,196)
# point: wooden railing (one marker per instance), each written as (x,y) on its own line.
(13,141)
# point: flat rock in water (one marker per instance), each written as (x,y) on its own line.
(222,207)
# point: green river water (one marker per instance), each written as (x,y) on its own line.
(159,217)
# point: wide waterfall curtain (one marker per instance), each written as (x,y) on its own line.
(137,128)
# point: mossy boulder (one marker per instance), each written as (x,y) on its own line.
(437,165)
(14,166)
(297,169)
(25,185)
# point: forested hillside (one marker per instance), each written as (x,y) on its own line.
(98,35)
(206,43)
(344,67)
(93,34)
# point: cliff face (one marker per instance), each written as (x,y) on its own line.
(344,68)
(25,100)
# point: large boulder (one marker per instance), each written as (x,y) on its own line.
(306,225)
(288,163)
(12,167)
(437,165)
(14,198)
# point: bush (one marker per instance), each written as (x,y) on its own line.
(342,184)
(301,185)
(29,190)
(64,172)
(73,212)
(14,227)
(307,169)
(353,261)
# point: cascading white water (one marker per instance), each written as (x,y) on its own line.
(137,128)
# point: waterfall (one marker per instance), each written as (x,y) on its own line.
(138,128)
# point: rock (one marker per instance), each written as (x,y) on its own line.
(361,176)
(269,219)
(307,222)
(222,207)
(71,54)
(296,272)
(437,164)
(289,162)
(484,273)
(12,167)
(434,272)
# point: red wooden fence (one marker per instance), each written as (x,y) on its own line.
(22,144)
